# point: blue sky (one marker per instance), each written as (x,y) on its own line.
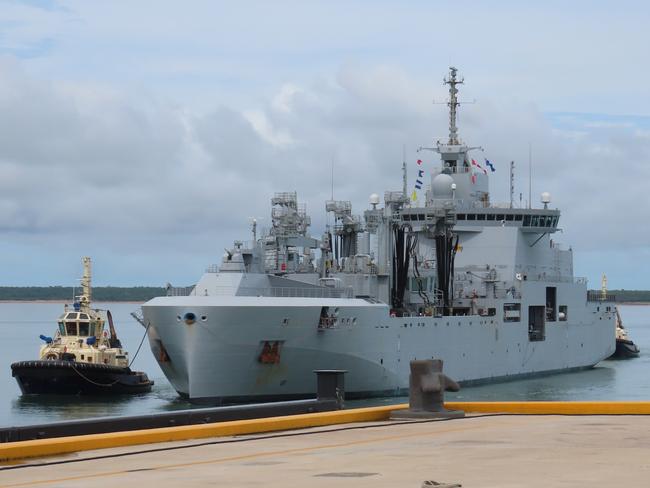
(147,134)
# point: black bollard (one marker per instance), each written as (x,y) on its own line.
(331,385)
(427,386)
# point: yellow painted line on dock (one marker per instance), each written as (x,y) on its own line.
(554,408)
(62,445)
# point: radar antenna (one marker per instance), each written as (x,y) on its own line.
(453,103)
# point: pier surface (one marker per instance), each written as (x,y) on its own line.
(481,451)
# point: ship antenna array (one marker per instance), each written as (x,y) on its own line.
(512,184)
(404,174)
(530,175)
(452,80)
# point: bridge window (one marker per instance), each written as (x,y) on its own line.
(534,221)
(500,217)
(491,216)
(84,328)
(460,217)
(480,217)
(61,328)
(526,220)
(71,328)
(518,218)
(510,217)
(471,216)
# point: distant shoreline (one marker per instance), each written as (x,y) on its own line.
(63,302)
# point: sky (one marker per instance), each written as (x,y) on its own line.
(148,134)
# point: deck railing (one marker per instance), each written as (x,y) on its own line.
(272,291)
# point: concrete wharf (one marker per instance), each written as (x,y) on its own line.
(481,450)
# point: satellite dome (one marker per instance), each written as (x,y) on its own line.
(442,186)
(374,199)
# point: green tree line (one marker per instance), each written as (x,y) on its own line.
(623,296)
(100,293)
(144,293)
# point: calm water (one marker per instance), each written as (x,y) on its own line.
(21,324)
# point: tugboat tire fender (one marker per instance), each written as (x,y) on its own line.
(52,356)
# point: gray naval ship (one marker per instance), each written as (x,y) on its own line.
(480,285)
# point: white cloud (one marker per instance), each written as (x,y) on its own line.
(133,141)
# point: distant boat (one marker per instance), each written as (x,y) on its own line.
(625,348)
(82,357)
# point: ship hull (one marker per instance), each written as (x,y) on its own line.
(55,377)
(218,358)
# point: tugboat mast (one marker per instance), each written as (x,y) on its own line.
(453,103)
(86,290)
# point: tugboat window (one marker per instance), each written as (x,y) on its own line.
(84,328)
(71,328)
(83,316)
(61,328)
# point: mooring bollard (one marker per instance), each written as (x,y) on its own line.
(427,386)
(331,385)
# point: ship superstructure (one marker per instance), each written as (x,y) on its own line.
(480,285)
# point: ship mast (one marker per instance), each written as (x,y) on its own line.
(85,297)
(453,103)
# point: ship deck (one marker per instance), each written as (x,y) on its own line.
(487,451)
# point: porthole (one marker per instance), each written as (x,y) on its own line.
(178,317)
(354,320)
(189,318)
(204,318)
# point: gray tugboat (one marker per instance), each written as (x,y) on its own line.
(454,276)
(82,357)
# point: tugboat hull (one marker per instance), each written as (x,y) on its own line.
(625,349)
(75,378)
